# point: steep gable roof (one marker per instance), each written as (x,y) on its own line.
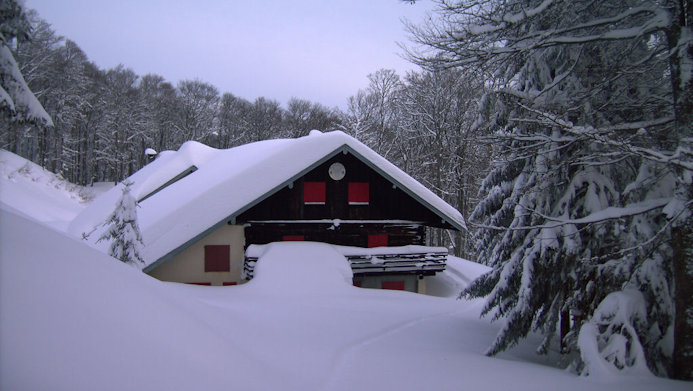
(179,206)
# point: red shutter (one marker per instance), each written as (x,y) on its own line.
(359,193)
(217,258)
(293,238)
(377,241)
(229,283)
(314,193)
(393,285)
(200,283)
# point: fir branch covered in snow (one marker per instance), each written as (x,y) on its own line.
(609,341)
(15,96)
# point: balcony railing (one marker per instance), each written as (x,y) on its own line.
(364,262)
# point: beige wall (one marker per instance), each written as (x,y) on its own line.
(189,265)
(411,281)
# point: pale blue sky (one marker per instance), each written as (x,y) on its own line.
(311,49)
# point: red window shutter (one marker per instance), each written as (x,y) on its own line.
(359,193)
(393,285)
(200,283)
(229,283)
(217,258)
(377,241)
(293,238)
(314,193)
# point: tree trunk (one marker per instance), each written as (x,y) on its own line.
(682,233)
(564,330)
(461,245)
(682,242)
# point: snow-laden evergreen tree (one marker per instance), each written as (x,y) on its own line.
(123,231)
(591,116)
(15,96)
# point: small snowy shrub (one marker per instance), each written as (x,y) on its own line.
(123,231)
(609,342)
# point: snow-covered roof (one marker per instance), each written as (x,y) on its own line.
(225,183)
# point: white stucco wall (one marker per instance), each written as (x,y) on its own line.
(189,265)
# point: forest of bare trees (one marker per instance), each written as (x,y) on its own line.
(104,120)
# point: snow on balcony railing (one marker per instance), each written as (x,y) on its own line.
(420,260)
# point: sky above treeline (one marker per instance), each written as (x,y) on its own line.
(310,49)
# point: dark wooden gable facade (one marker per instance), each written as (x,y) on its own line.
(341,201)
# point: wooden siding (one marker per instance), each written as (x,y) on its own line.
(385,202)
(345,234)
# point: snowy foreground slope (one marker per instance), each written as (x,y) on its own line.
(75,319)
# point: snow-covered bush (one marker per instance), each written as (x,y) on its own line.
(609,342)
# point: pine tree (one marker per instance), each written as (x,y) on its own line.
(16,99)
(591,120)
(123,231)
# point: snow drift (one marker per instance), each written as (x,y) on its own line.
(300,267)
(75,319)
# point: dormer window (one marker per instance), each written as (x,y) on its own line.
(173,180)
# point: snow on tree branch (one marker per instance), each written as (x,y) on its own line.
(610,213)
(15,95)
(609,342)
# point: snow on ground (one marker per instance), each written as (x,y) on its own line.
(72,318)
(75,319)
(458,274)
(33,191)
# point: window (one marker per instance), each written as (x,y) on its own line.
(314,193)
(173,180)
(293,238)
(217,258)
(393,285)
(359,193)
(377,241)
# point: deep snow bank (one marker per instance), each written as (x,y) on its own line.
(75,319)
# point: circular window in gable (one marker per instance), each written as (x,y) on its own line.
(337,171)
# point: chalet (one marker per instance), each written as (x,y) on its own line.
(201,208)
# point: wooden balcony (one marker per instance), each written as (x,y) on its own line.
(364,261)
